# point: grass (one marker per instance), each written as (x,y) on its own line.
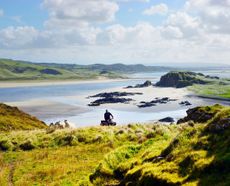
(13,70)
(212,90)
(11,118)
(67,157)
(150,154)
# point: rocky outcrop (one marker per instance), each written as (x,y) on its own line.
(185,103)
(167,120)
(112,97)
(145,84)
(198,115)
(108,100)
(115,94)
(154,102)
(180,79)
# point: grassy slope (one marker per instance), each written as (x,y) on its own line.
(212,90)
(188,154)
(66,156)
(196,156)
(19,70)
(11,118)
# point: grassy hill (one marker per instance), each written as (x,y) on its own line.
(11,118)
(20,70)
(192,153)
(202,85)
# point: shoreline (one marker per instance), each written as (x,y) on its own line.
(32,83)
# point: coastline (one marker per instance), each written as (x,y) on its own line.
(32,83)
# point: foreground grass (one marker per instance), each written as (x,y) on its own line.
(198,155)
(68,157)
(61,166)
(193,153)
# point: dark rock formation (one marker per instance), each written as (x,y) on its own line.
(185,103)
(108,100)
(180,79)
(198,115)
(167,120)
(115,94)
(145,84)
(219,125)
(152,103)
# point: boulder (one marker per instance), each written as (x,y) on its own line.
(167,120)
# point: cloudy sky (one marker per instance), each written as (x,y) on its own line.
(112,31)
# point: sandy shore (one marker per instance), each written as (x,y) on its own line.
(9,84)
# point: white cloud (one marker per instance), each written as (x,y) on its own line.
(143,1)
(188,25)
(215,15)
(1,12)
(161,9)
(12,37)
(73,32)
(76,10)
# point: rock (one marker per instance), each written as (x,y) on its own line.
(185,103)
(152,103)
(115,94)
(167,120)
(112,97)
(109,100)
(198,115)
(145,84)
(180,79)
(219,125)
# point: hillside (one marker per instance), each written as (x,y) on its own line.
(20,70)
(192,153)
(202,85)
(11,118)
(118,67)
(180,79)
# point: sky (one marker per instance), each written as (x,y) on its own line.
(116,31)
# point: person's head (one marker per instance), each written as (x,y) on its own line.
(106,111)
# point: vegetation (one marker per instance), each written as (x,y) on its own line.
(214,90)
(11,118)
(192,153)
(202,85)
(180,79)
(20,70)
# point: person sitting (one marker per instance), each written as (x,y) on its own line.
(108,116)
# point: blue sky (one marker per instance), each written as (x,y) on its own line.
(110,31)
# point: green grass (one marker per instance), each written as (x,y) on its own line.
(11,118)
(13,70)
(150,154)
(67,157)
(196,156)
(212,90)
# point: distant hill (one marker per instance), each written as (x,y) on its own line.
(21,70)
(11,118)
